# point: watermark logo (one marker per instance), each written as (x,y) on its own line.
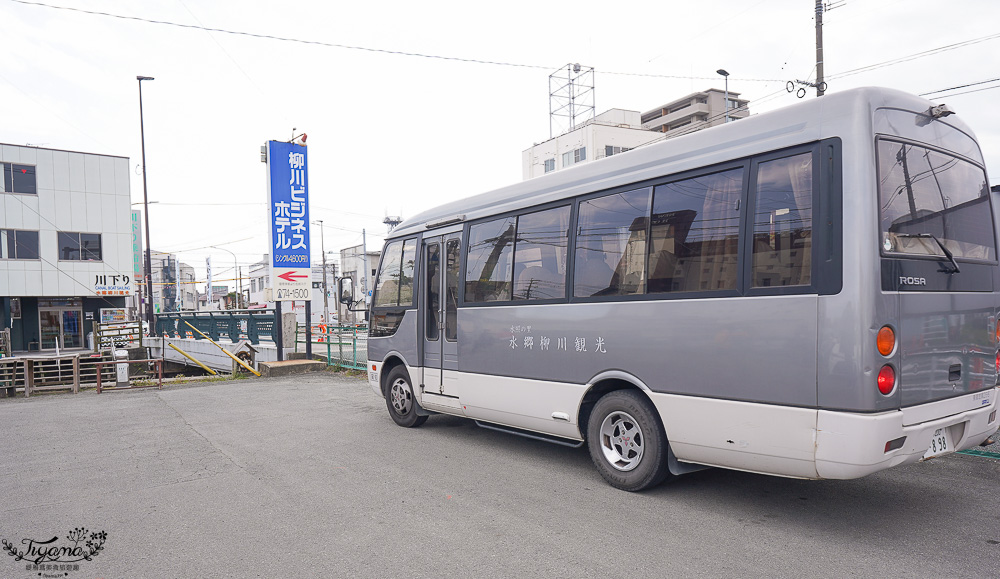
(57,555)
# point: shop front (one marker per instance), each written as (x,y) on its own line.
(42,324)
(60,323)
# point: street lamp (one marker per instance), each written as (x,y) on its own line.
(239,278)
(723,72)
(145,202)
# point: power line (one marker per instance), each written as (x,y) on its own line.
(960,86)
(914,56)
(969,91)
(345,46)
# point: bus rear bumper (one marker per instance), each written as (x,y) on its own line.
(850,445)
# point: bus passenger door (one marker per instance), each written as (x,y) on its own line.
(439,319)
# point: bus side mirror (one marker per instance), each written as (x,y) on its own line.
(345,290)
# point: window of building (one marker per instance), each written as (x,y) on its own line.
(75,246)
(540,254)
(489,262)
(610,150)
(18,244)
(680,124)
(652,116)
(550,165)
(679,107)
(575,156)
(611,245)
(694,237)
(253,284)
(18,178)
(782,224)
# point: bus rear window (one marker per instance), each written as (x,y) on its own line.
(927,197)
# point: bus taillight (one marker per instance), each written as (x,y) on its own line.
(886,340)
(886,379)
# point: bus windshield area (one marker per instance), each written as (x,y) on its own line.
(933,204)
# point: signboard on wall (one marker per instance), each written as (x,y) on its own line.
(112,285)
(288,221)
(137,268)
(113,315)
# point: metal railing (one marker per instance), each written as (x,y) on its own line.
(158,362)
(252,325)
(342,346)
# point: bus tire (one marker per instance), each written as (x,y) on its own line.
(400,401)
(627,442)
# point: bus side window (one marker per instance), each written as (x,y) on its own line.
(694,238)
(488,271)
(782,230)
(540,254)
(612,230)
(452,253)
(433,291)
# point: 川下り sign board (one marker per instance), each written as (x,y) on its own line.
(288,221)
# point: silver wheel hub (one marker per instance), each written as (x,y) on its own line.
(622,441)
(401,397)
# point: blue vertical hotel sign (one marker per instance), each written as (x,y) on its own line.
(288,208)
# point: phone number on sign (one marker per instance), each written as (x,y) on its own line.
(291,259)
(296,294)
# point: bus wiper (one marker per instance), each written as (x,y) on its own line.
(947,253)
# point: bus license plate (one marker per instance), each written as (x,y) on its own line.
(940,443)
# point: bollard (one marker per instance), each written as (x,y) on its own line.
(122,368)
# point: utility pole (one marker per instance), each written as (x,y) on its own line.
(326,297)
(820,84)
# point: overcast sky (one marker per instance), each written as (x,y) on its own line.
(394,134)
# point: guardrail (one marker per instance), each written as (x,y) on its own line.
(252,325)
(343,346)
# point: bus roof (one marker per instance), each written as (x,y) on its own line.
(835,114)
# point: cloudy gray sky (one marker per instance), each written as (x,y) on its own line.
(394,130)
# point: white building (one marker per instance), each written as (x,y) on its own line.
(612,132)
(618,130)
(65,244)
(352,265)
(695,111)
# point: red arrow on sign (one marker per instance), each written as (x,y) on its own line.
(290,275)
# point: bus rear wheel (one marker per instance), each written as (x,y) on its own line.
(627,442)
(400,401)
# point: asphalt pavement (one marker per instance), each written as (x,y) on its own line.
(309,477)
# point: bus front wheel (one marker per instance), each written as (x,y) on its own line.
(627,442)
(400,401)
